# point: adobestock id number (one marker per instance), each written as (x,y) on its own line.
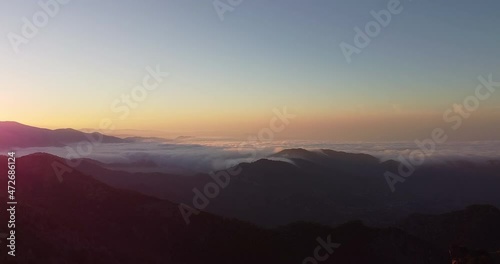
(11,203)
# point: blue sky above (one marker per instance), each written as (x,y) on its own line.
(262,55)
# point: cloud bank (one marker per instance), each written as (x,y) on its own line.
(204,155)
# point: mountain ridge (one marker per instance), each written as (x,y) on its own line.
(81,220)
(16,135)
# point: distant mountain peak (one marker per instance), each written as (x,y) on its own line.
(16,135)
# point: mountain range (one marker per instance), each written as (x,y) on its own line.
(82,220)
(16,135)
(278,209)
(324,186)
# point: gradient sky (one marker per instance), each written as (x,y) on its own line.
(227,76)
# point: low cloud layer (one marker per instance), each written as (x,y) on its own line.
(204,155)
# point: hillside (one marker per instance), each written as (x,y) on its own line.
(82,220)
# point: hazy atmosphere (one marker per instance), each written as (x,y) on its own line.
(226,76)
(250,132)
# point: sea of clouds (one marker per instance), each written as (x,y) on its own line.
(203,155)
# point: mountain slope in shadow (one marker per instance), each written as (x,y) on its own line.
(476,227)
(323,186)
(81,220)
(334,187)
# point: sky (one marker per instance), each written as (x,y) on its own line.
(226,77)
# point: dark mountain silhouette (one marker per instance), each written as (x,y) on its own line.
(476,227)
(327,156)
(81,220)
(16,135)
(324,186)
